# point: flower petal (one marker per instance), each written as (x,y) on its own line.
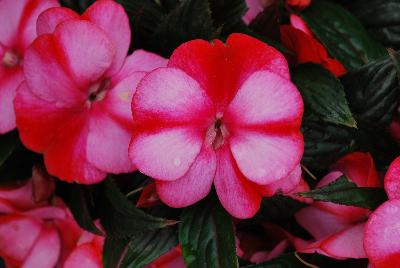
(113,20)
(266,158)
(360,168)
(285,185)
(266,98)
(27,24)
(18,27)
(346,244)
(381,241)
(46,251)
(67,158)
(254,8)
(220,69)
(193,186)
(178,99)
(37,120)
(17,236)
(320,224)
(87,63)
(237,195)
(141,61)
(10,13)
(58,132)
(49,19)
(392,180)
(86,255)
(9,82)
(46,73)
(108,143)
(166,154)
(118,100)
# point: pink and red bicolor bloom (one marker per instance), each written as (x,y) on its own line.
(37,229)
(338,230)
(382,235)
(74,106)
(17,31)
(299,39)
(222,114)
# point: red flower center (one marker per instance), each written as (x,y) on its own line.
(98,90)
(10,59)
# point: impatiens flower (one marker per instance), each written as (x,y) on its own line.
(338,229)
(35,233)
(259,246)
(382,231)
(298,38)
(222,114)
(17,31)
(171,259)
(74,106)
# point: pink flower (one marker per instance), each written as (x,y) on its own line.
(74,106)
(17,31)
(337,229)
(35,233)
(222,114)
(298,38)
(382,236)
(171,259)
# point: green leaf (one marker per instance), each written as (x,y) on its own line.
(278,207)
(380,17)
(345,192)
(144,248)
(288,260)
(139,250)
(267,22)
(342,34)
(206,236)
(325,143)
(81,202)
(227,13)
(191,19)
(323,95)
(120,217)
(8,143)
(145,16)
(373,92)
(113,251)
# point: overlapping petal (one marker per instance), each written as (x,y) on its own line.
(238,196)
(265,158)
(221,69)
(195,184)
(113,20)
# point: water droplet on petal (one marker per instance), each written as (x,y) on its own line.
(177,161)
